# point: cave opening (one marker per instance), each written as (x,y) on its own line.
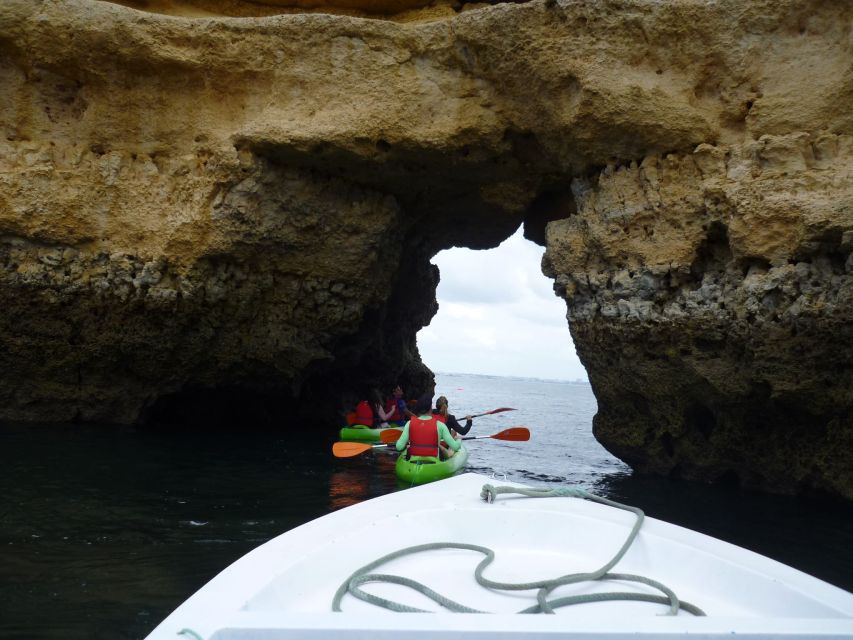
(498,315)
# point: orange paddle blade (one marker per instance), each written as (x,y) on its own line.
(390,435)
(518,434)
(349,449)
(513,433)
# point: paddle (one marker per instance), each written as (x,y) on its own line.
(350,449)
(488,413)
(390,436)
(518,434)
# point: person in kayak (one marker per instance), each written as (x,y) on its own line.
(369,412)
(364,413)
(423,433)
(441,412)
(381,415)
(442,415)
(395,407)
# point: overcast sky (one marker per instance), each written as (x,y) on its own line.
(498,315)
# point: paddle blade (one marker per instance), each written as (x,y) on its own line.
(390,435)
(518,434)
(349,449)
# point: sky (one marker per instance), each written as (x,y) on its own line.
(498,315)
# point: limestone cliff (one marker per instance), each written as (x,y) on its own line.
(710,297)
(196,208)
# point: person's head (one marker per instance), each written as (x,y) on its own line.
(424,404)
(374,397)
(397,392)
(441,404)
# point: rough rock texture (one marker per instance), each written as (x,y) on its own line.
(203,212)
(393,9)
(710,296)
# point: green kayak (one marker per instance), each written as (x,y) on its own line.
(422,469)
(360,433)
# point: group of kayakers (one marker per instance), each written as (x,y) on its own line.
(373,412)
(427,431)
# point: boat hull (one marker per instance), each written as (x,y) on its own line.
(284,589)
(412,473)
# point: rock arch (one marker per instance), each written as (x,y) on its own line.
(199,209)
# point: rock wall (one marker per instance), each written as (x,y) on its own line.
(97,330)
(162,253)
(253,8)
(710,295)
(213,203)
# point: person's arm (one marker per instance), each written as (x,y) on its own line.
(444,435)
(404,438)
(381,411)
(453,423)
(403,408)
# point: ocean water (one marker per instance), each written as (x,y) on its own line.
(104,531)
(559,415)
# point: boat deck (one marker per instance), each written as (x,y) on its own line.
(285,588)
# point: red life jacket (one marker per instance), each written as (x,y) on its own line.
(423,437)
(363,413)
(440,417)
(392,406)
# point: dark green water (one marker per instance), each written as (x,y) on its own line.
(104,531)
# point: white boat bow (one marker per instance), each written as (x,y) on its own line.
(285,587)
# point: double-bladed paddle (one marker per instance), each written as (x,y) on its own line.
(350,449)
(517,434)
(488,413)
(390,436)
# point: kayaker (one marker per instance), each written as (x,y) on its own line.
(396,408)
(441,412)
(370,413)
(364,413)
(381,416)
(424,432)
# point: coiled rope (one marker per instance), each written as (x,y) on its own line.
(489,493)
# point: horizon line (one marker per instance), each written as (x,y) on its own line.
(500,375)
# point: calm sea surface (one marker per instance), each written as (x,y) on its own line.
(104,531)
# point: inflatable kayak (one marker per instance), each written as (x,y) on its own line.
(362,433)
(422,470)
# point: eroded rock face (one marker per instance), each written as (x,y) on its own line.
(159,247)
(197,209)
(256,8)
(121,325)
(710,295)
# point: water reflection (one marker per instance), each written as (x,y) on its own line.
(347,488)
(357,480)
